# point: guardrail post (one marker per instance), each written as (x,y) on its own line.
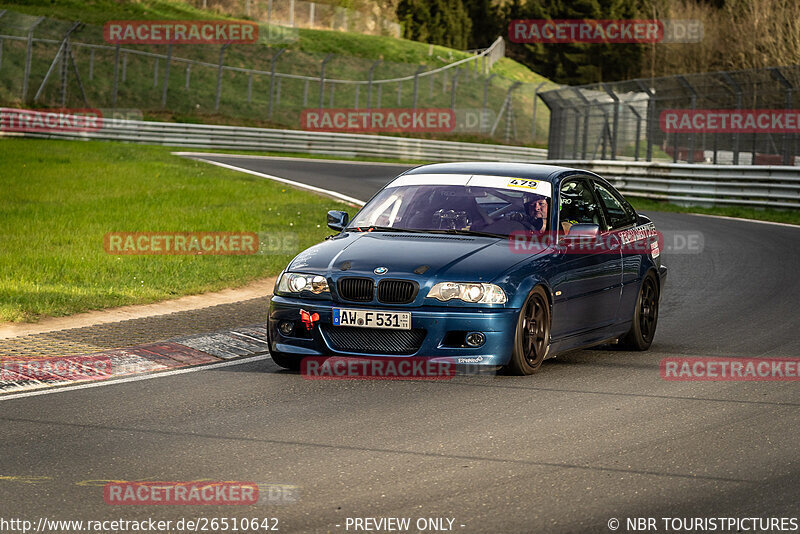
(188,74)
(651,112)
(453,88)
(399,93)
(155,73)
(116,78)
(686,85)
(510,119)
(485,112)
(776,73)
(358,90)
(614,136)
(535,103)
(369,83)
(63,74)
(638,132)
(737,90)
(587,106)
(219,75)
(322,80)
(61,55)
(28,58)
(416,84)
(166,76)
(273,63)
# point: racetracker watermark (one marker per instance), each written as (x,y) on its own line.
(50,120)
(180,32)
(730,121)
(57,369)
(379,120)
(181,243)
(730,369)
(562,31)
(364,368)
(181,493)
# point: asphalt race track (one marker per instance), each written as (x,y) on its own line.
(595,435)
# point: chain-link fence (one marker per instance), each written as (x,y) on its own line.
(45,62)
(741,118)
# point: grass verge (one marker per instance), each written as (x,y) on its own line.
(61,198)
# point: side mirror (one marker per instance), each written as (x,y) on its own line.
(337,220)
(580,233)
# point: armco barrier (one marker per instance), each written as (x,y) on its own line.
(339,144)
(691,184)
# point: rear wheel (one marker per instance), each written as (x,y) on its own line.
(645,316)
(532,338)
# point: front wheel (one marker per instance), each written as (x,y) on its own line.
(645,316)
(532,338)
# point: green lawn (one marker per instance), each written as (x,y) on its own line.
(61,197)
(774,215)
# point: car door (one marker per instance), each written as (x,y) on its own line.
(587,280)
(620,216)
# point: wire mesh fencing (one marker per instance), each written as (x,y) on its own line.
(739,117)
(50,63)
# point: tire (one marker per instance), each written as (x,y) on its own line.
(532,336)
(645,316)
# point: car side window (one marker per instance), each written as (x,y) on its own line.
(619,213)
(577,206)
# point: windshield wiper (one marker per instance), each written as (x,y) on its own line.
(374,228)
(471,232)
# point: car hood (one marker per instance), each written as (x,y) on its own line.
(450,257)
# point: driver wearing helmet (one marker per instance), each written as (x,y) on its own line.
(536,212)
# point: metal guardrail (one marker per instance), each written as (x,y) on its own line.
(748,185)
(337,144)
(703,185)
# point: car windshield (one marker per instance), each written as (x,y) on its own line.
(454,208)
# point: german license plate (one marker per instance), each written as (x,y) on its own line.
(372,319)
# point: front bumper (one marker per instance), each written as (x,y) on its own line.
(438,323)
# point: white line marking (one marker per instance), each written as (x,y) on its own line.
(135,378)
(289,158)
(299,185)
(745,220)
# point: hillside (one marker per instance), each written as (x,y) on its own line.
(245,98)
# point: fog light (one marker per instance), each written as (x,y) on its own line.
(475,339)
(286,327)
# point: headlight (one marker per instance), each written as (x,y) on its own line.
(478,293)
(299,282)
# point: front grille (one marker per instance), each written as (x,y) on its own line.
(373,340)
(397,291)
(355,289)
